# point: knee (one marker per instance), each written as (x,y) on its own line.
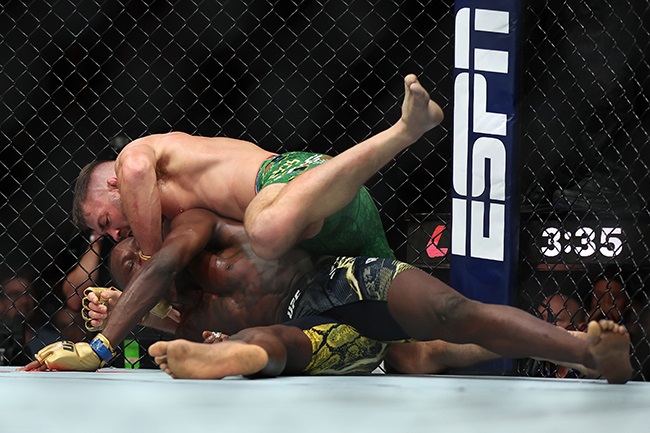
(270,237)
(452,308)
(272,234)
(446,317)
(435,316)
(265,241)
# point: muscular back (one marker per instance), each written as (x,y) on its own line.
(214,173)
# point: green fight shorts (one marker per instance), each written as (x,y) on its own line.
(355,230)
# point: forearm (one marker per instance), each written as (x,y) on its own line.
(145,222)
(138,185)
(155,277)
(152,284)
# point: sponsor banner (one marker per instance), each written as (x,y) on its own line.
(484,218)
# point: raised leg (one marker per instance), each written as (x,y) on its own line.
(282,215)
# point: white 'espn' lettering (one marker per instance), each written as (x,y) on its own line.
(487,150)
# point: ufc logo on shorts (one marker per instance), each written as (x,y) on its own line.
(479,153)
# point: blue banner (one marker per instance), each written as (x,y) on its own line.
(485,208)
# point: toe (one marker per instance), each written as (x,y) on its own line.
(593,331)
(158,349)
(410,79)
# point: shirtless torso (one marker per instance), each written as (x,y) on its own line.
(213,173)
(226,286)
(233,289)
(167,174)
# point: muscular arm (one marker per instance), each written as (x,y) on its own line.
(191,232)
(135,167)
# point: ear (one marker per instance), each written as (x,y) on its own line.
(112,182)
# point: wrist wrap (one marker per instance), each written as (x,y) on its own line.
(102,347)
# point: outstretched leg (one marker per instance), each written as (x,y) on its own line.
(428,309)
(281,215)
(435,356)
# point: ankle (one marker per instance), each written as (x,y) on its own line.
(406,133)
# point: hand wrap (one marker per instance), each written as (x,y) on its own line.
(102,347)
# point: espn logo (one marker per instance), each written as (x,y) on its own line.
(479,154)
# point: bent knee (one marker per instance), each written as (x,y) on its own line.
(452,307)
(265,246)
(270,241)
(272,236)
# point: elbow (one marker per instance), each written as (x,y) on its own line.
(271,236)
(136,167)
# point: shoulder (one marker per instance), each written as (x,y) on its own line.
(146,150)
(155,141)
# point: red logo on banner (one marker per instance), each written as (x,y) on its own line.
(433,250)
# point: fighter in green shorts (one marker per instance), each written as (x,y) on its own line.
(354,230)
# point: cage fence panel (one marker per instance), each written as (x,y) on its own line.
(584,237)
(82,79)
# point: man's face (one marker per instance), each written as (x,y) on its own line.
(125,261)
(15,300)
(562,312)
(105,216)
(610,297)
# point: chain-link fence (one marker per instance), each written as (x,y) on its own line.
(80,78)
(584,243)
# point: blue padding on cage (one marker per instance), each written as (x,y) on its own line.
(485,215)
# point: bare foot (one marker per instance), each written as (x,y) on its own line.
(419,112)
(609,344)
(183,359)
(588,372)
